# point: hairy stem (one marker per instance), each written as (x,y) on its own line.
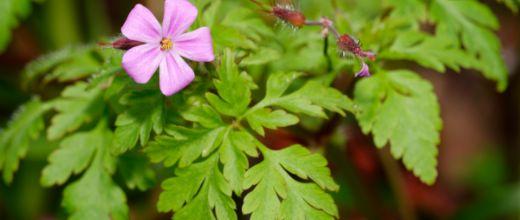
(397,184)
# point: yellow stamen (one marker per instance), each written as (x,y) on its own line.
(166,44)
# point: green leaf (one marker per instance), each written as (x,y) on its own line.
(24,127)
(76,106)
(400,108)
(233,152)
(184,145)
(511,4)
(65,65)
(136,171)
(299,161)
(204,115)
(277,195)
(234,89)
(233,28)
(12,11)
(428,51)
(198,191)
(262,56)
(264,117)
(301,53)
(73,156)
(414,11)
(137,121)
(307,201)
(309,99)
(473,22)
(94,195)
(334,100)
(77,67)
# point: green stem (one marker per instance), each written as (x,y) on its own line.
(397,184)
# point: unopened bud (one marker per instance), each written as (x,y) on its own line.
(293,17)
(348,45)
(125,43)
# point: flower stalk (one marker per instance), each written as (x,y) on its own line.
(345,42)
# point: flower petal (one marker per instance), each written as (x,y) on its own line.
(175,74)
(364,72)
(141,25)
(141,62)
(196,45)
(178,17)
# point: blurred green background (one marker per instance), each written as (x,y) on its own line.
(479,154)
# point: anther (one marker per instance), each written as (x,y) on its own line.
(166,44)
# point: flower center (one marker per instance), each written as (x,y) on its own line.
(166,44)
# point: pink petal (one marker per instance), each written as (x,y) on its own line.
(364,72)
(142,26)
(141,62)
(178,17)
(196,45)
(175,74)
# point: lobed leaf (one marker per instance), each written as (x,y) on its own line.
(94,195)
(145,111)
(184,145)
(136,171)
(277,195)
(67,65)
(77,105)
(265,118)
(434,52)
(12,11)
(233,88)
(24,127)
(401,109)
(233,152)
(471,24)
(198,191)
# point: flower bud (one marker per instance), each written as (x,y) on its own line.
(125,43)
(348,45)
(293,17)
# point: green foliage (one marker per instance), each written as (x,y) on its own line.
(12,11)
(512,4)
(474,23)
(233,28)
(78,105)
(73,156)
(204,188)
(24,127)
(233,154)
(103,199)
(185,145)
(136,171)
(233,88)
(94,195)
(298,200)
(66,65)
(265,118)
(400,108)
(429,51)
(200,183)
(306,100)
(136,122)
(207,136)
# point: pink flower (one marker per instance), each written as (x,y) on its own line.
(165,46)
(364,72)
